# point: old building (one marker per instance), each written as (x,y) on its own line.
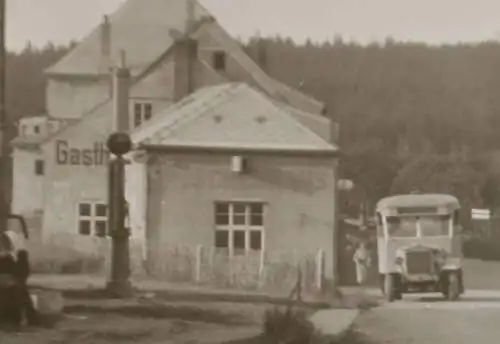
(177,54)
(236,174)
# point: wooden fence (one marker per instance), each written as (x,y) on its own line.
(201,265)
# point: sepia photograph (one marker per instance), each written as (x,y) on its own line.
(249,171)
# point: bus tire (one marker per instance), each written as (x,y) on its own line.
(453,290)
(389,287)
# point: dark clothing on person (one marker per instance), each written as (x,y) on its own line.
(23,266)
(10,301)
(22,274)
(8,265)
(15,299)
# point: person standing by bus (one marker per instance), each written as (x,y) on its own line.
(362,260)
(21,273)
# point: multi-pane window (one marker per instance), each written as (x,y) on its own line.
(142,113)
(239,226)
(92,218)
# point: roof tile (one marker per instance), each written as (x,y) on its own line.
(140,27)
(232,115)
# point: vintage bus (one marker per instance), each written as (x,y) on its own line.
(419,245)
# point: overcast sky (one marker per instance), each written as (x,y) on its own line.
(432,21)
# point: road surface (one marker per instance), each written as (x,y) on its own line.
(427,319)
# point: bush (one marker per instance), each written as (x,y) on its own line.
(288,327)
(477,248)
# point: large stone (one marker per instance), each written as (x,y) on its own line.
(48,302)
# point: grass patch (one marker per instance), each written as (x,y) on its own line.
(288,326)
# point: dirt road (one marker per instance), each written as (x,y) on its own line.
(110,321)
(424,320)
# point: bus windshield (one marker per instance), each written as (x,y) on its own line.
(410,227)
(434,225)
(402,227)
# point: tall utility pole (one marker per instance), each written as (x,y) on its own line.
(6,130)
(119,144)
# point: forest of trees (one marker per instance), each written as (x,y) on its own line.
(411,116)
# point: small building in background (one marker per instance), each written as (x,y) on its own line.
(235,187)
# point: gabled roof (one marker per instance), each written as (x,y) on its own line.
(233,116)
(140,27)
(33,142)
(73,122)
(274,88)
(143,29)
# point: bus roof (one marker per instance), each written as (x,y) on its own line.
(419,200)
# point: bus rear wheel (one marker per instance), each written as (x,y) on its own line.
(391,287)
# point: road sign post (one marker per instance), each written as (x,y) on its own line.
(119,284)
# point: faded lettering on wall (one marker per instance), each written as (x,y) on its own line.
(97,155)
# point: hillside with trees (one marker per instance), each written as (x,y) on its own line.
(26,80)
(411,115)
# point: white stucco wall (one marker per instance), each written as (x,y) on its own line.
(136,196)
(28,187)
(73,98)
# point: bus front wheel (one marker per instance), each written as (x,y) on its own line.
(453,291)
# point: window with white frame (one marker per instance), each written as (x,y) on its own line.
(239,226)
(92,219)
(143,112)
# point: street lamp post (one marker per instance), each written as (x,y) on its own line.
(119,284)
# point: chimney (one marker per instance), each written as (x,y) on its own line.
(121,86)
(185,56)
(334,127)
(185,62)
(190,15)
(105,45)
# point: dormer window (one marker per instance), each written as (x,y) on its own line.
(219,60)
(143,112)
(36,129)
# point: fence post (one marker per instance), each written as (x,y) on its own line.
(261,267)
(319,270)
(212,260)
(305,272)
(230,266)
(199,251)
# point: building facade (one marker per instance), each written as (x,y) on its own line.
(237,176)
(173,49)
